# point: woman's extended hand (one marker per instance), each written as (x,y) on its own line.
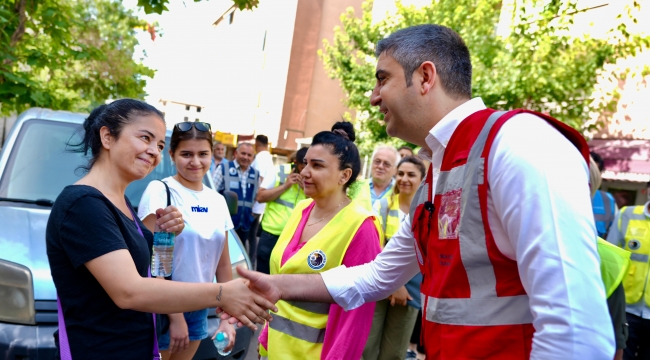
(170,219)
(243,304)
(179,338)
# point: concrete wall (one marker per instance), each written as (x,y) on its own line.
(313,101)
(326,103)
(301,70)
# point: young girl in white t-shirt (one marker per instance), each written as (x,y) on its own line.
(201,250)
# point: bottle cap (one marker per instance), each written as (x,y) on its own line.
(220,337)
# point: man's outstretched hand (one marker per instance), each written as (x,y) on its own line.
(239,300)
(261,284)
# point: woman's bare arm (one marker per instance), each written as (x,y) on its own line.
(224,267)
(117,274)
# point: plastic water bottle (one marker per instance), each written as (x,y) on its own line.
(163,252)
(221,342)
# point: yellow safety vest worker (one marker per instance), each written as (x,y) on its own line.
(279,210)
(298,328)
(362,194)
(635,227)
(388,210)
(614,263)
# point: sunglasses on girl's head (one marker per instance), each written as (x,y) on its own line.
(187,126)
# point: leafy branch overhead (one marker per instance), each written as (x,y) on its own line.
(68,54)
(158,6)
(536,63)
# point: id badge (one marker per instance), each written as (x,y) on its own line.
(234,184)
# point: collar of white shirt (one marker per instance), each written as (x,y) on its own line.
(439,136)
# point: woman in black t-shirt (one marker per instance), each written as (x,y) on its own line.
(98,258)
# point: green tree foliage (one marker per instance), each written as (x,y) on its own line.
(67,54)
(158,6)
(539,65)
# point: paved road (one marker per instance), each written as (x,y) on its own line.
(252,349)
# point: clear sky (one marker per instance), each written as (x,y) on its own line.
(184,50)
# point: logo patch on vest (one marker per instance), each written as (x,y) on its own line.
(634,244)
(232,171)
(317,260)
(449,215)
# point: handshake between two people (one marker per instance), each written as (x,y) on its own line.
(254,293)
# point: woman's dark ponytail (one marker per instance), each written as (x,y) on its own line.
(114,116)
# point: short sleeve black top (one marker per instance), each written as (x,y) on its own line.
(85,225)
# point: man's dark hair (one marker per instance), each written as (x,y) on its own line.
(262,139)
(442,46)
(405,147)
(599,160)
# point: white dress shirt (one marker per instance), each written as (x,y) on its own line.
(540,214)
(263,163)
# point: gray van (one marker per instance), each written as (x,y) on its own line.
(35,166)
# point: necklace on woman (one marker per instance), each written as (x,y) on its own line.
(326,216)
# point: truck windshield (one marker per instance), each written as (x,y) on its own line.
(41,164)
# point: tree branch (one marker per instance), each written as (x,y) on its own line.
(20,29)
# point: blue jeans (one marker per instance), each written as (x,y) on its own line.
(197,328)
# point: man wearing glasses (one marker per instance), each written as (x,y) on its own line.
(380,185)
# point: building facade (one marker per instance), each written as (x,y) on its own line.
(279,86)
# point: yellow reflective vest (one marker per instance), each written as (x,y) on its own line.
(635,227)
(279,210)
(362,194)
(298,328)
(614,263)
(388,210)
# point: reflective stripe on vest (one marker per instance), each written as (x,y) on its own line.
(510,310)
(390,220)
(244,217)
(634,226)
(298,328)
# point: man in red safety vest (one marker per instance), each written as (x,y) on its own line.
(502,229)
